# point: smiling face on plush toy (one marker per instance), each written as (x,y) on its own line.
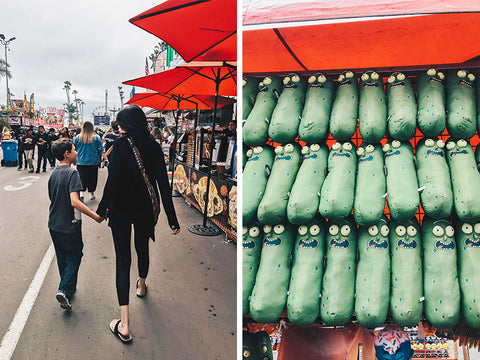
(284,152)
(469,235)
(253,154)
(346,78)
(367,152)
(458,148)
(309,235)
(251,235)
(273,235)
(370,78)
(406,235)
(435,76)
(392,149)
(444,236)
(318,80)
(263,86)
(346,150)
(340,234)
(465,78)
(396,79)
(310,152)
(379,235)
(429,147)
(292,81)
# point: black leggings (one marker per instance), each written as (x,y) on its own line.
(122,234)
(88,176)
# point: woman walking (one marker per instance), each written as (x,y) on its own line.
(136,172)
(90,153)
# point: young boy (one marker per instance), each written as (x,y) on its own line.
(64,220)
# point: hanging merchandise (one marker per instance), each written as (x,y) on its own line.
(431,102)
(343,119)
(372,107)
(249,91)
(252,237)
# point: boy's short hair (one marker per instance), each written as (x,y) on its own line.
(114,125)
(60,146)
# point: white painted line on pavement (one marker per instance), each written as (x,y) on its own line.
(10,339)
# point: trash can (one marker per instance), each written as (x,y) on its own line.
(10,156)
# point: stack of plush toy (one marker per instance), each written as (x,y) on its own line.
(316,238)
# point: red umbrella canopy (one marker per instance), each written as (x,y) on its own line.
(163,102)
(191,79)
(196,29)
(288,35)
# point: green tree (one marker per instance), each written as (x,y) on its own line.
(157,50)
(4,69)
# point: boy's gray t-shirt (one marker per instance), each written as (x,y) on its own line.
(63,217)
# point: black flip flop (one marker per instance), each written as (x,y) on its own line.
(126,339)
(146,288)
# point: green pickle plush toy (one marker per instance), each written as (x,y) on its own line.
(372,107)
(465,180)
(273,207)
(249,91)
(257,346)
(477,97)
(402,107)
(251,248)
(338,285)
(440,277)
(286,117)
(304,197)
(434,178)
(303,303)
(431,103)
(372,286)
(316,112)
(467,236)
(269,295)
(344,115)
(259,162)
(370,186)
(255,128)
(336,200)
(402,186)
(406,304)
(461,106)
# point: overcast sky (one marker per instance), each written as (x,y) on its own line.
(88,42)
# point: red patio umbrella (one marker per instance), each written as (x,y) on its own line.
(196,29)
(304,36)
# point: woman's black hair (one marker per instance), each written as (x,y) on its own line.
(132,119)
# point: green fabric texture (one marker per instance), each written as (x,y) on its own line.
(402,186)
(406,306)
(401,106)
(303,302)
(316,112)
(249,92)
(434,176)
(273,207)
(344,115)
(252,238)
(440,278)
(304,197)
(372,107)
(255,128)
(256,176)
(461,106)
(465,179)
(286,117)
(338,285)
(372,285)
(336,200)
(269,295)
(467,236)
(370,185)
(431,103)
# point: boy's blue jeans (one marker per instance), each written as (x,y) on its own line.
(68,248)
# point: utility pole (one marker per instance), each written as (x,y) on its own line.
(5,43)
(120,91)
(106,102)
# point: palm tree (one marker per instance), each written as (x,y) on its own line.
(4,69)
(157,50)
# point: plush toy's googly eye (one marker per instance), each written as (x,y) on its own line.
(311,79)
(267,229)
(289,148)
(431,72)
(429,142)
(246,353)
(305,150)
(341,77)
(286,80)
(476,228)
(333,230)
(462,143)
(386,148)
(249,153)
(264,349)
(254,231)
(467,228)
(322,79)
(244,82)
(401,76)
(347,146)
(369,148)
(314,230)
(438,230)
(461,74)
(261,85)
(396,144)
(267,80)
(365,77)
(441,144)
(279,150)
(296,78)
(278,229)
(314,147)
(360,151)
(336,146)
(400,230)
(471,77)
(302,230)
(345,231)
(349,74)
(449,231)
(244,230)
(257,149)
(391,79)
(384,230)
(441,76)
(411,231)
(373,230)
(375,76)
(450,145)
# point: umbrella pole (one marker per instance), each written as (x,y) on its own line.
(195,134)
(175,193)
(204,229)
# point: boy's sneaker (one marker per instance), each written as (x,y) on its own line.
(63,300)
